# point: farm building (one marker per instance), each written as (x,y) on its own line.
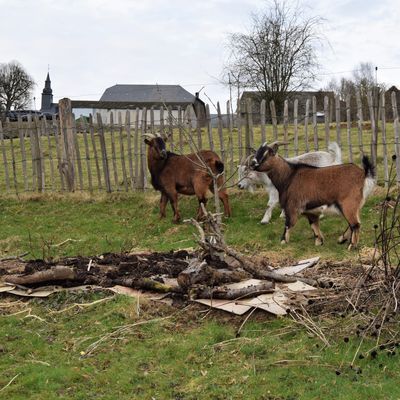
(120,98)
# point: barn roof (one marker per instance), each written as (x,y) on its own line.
(148,94)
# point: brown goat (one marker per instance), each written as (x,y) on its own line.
(184,174)
(307,190)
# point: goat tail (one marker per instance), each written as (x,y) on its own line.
(370,177)
(336,152)
(219,165)
(369,168)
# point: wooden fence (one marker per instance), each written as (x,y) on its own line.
(83,154)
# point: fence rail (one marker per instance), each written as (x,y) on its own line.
(84,154)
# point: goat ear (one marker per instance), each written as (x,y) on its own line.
(274,148)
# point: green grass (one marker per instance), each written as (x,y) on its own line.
(191,354)
(181,357)
(126,222)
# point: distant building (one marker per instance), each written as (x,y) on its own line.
(47,105)
(120,98)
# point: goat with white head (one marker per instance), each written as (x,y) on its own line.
(249,179)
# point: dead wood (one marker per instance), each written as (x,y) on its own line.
(200,272)
(58,273)
(226,293)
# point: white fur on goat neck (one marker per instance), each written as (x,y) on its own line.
(249,179)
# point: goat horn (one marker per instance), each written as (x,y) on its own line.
(149,135)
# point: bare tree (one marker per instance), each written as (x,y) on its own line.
(278,56)
(16,86)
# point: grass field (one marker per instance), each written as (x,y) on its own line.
(165,352)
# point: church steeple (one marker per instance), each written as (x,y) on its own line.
(47,95)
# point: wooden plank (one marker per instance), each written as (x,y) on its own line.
(384,143)
(143,161)
(359,122)
(13,165)
(171,130)
(239,128)
(326,121)
(132,173)
(250,143)
(396,126)
(296,127)
(96,157)
(67,142)
(137,148)
(306,125)
(198,128)
(50,151)
(31,129)
(374,125)
(209,128)
(152,128)
(39,161)
(57,138)
(348,119)
(162,130)
(189,131)
(122,151)
(285,127)
(180,129)
(230,137)
(220,134)
(87,153)
(274,120)
(23,152)
(78,159)
(113,151)
(106,170)
(338,120)
(4,153)
(314,122)
(262,121)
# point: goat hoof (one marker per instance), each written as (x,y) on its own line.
(264,222)
(352,247)
(283,242)
(319,242)
(342,239)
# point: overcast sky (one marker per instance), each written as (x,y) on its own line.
(93,44)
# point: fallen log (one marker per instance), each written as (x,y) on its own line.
(57,273)
(226,293)
(200,272)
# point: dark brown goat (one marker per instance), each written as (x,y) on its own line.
(307,190)
(184,174)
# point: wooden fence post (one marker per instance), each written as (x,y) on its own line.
(338,120)
(239,128)
(3,150)
(373,112)
(396,135)
(38,156)
(180,129)
(262,121)
(360,121)
(274,120)
(385,155)
(249,139)
(122,151)
(106,169)
(326,121)
(198,127)
(209,128)
(348,119)
(113,151)
(285,127)
(171,129)
(220,134)
(314,121)
(23,151)
(143,163)
(87,153)
(296,128)
(67,142)
(96,157)
(306,125)
(230,143)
